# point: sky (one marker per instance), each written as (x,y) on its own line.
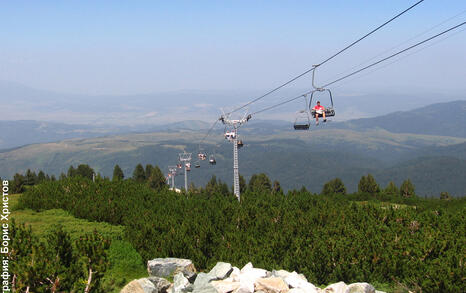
(140,47)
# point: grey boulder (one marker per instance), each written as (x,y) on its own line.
(168,267)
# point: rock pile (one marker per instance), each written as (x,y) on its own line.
(224,278)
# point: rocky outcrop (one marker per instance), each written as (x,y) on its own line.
(225,278)
(168,267)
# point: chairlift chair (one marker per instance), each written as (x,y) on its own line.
(202,156)
(240,143)
(230,135)
(302,121)
(212,160)
(197,165)
(188,166)
(329,111)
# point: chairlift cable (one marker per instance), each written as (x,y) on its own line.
(364,68)
(402,43)
(394,55)
(326,60)
(371,32)
(282,103)
(208,132)
(403,57)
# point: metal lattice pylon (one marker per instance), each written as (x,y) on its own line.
(172,171)
(234,138)
(185,158)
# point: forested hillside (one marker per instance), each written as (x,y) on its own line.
(378,236)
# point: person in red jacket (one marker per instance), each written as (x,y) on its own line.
(319,110)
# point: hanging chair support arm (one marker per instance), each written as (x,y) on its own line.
(317,88)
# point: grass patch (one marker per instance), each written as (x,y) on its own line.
(42,223)
(13,201)
(125,265)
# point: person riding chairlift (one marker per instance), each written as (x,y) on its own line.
(320,110)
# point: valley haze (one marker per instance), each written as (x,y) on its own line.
(393,147)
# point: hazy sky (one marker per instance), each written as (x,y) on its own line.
(126,47)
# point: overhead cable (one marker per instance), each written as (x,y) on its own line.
(395,54)
(400,44)
(364,68)
(208,132)
(326,60)
(370,33)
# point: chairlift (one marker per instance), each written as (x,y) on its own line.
(329,111)
(197,165)
(240,143)
(230,135)
(188,166)
(302,121)
(202,156)
(212,160)
(179,166)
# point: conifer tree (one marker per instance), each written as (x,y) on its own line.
(31,177)
(148,170)
(276,187)
(368,184)
(139,175)
(156,179)
(118,173)
(64,271)
(85,171)
(211,186)
(334,186)
(259,183)
(71,171)
(92,250)
(17,185)
(392,189)
(407,189)
(41,177)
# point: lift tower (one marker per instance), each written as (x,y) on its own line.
(172,171)
(233,137)
(185,158)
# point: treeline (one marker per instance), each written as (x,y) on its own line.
(150,174)
(154,177)
(330,237)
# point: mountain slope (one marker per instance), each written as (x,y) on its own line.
(445,119)
(430,175)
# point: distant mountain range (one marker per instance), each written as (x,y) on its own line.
(20,102)
(24,132)
(391,147)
